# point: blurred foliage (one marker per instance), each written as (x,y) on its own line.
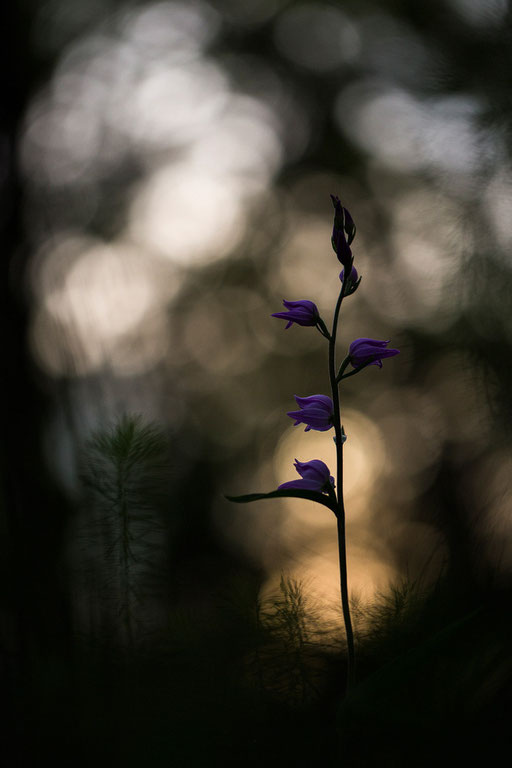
(126,477)
(247,685)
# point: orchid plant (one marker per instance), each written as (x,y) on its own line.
(322,412)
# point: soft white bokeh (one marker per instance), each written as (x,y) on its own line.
(411,134)
(103,308)
(143,96)
(317,36)
(186,214)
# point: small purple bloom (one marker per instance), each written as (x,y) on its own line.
(343,228)
(316,411)
(353,275)
(315,476)
(302,312)
(369,352)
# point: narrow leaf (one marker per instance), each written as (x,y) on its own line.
(291,493)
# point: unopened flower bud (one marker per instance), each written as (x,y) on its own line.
(343,232)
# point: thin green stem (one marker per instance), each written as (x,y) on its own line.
(320,325)
(343,367)
(342,375)
(342,546)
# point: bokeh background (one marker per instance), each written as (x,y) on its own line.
(167,175)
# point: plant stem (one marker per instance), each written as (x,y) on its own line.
(342,546)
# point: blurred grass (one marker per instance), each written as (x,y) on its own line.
(256,684)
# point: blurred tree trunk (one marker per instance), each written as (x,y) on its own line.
(35,626)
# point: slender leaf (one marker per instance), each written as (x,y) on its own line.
(291,493)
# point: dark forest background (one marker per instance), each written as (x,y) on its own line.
(165,178)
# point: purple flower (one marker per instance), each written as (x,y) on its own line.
(315,476)
(316,411)
(343,228)
(369,352)
(302,312)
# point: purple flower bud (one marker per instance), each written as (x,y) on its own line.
(343,228)
(353,275)
(369,352)
(302,312)
(316,411)
(315,476)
